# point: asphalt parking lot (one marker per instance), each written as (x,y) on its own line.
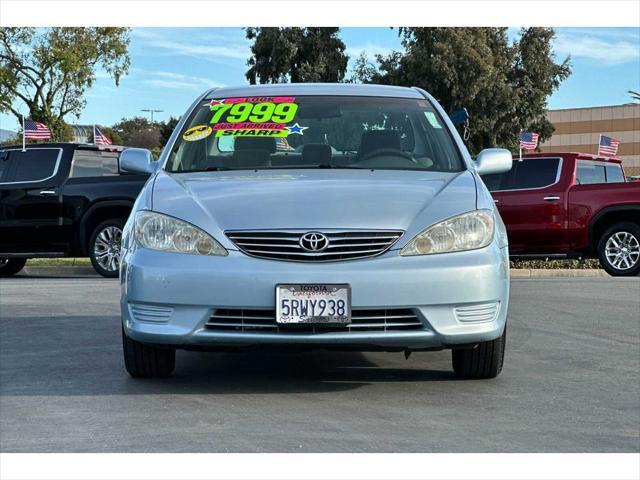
(571,383)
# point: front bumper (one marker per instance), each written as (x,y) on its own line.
(168,298)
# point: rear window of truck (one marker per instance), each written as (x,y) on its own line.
(588,172)
(94,163)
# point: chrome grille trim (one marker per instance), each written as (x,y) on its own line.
(284,244)
(483,312)
(248,320)
(150,313)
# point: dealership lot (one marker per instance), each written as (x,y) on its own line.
(571,382)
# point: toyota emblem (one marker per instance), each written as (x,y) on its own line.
(314,242)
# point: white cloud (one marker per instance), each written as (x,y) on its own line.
(163,79)
(609,50)
(207,47)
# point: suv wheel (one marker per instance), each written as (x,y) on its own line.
(104,247)
(485,360)
(619,249)
(146,361)
(11,266)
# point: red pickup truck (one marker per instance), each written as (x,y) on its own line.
(570,205)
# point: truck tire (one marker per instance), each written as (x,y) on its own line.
(11,266)
(619,249)
(485,360)
(147,361)
(104,247)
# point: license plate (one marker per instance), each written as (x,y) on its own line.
(313,303)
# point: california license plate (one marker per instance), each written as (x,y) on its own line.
(313,303)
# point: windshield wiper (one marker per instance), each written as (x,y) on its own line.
(208,169)
(333,165)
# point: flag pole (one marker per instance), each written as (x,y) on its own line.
(520,145)
(23,134)
(598,146)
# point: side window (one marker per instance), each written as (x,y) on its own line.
(32,165)
(614,173)
(534,173)
(93,163)
(590,172)
(494,181)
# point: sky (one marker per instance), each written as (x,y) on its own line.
(171,66)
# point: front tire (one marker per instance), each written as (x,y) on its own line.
(104,247)
(147,361)
(619,250)
(485,360)
(11,266)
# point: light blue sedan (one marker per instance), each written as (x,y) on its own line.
(303,216)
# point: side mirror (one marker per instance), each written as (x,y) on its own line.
(494,160)
(137,160)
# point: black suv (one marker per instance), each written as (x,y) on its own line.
(64,200)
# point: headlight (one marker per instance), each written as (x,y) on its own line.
(162,232)
(463,232)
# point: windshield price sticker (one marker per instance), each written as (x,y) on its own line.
(253,116)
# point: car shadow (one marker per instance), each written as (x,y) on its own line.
(249,372)
(243,372)
(82,355)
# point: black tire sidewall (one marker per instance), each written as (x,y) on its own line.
(610,269)
(13,266)
(113,222)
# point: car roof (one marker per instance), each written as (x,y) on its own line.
(576,155)
(83,146)
(350,89)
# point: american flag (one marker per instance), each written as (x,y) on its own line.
(100,138)
(528,140)
(36,130)
(608,147)
(282,145)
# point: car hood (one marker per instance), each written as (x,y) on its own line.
(313,199)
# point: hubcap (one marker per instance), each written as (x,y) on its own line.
(106,249)
(622,250)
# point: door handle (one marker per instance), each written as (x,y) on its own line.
(497,202)
(48,193)
(551,199)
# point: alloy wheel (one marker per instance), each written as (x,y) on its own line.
(622,250)
(106,248)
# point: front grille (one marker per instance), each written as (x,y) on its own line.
(285,245)
(264,321)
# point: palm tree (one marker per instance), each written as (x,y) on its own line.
(634,95)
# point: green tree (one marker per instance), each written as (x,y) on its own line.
(138,132)
(49,70)
(114,136)
(504,85)
(311,54)
(166,129)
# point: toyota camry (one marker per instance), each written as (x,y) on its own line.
(315,216)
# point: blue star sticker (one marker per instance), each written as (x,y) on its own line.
(295,128)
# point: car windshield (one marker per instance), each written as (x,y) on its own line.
(315,132)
